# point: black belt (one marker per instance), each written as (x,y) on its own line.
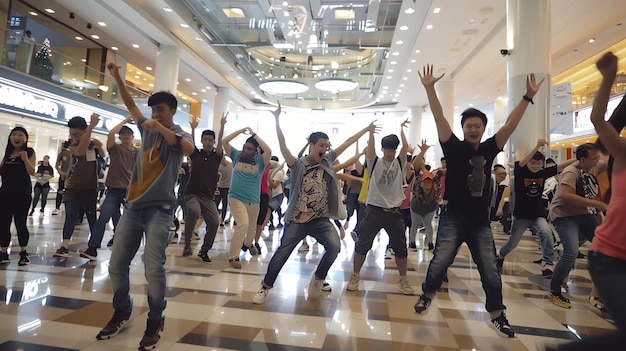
(390,210)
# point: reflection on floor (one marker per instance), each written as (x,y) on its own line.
(61,305)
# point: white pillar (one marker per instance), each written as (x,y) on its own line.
(415,128)
(222,99)
(166,70)
(528,38)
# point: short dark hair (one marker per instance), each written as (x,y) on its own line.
(428,168)
(497,165)
(583,150)
(252,141)
(550,160)
(77,122)
(208,132)
(125,129)
(274,158)
(472,112)
(538,156)
(163,97)
(316,136)
(442,159)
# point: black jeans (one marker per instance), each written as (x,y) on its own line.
(40,191)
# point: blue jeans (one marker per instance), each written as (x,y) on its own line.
(110,209)
(541,227)
(72,212)
(322,230)
(359,216)
(154,222)
(454,229)
(573,231)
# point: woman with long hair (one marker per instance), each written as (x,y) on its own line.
(44,173)
(18,164)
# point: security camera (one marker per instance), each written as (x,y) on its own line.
(72,16)
(505,52)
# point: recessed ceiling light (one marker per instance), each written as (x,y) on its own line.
(83,60)
(78,38)
(592,40)
(145,79)
(399,42)
(472,20)
(148,68)
(194,93)
(95,36)
(33,13)
(136,77)
(344,13)
(167,9)
(404,27)
(429,26)
(187,79)
(184,25)
(151,84)
(102,24)
(204,100)
(237,12)
(418,51)
(199,39)
(405,78)
(436,10)
(393,62)
(49,10)
(395,53)
(208,87)
(115,48)
(390,70)
(402,85)
(136,46)
(130,70)
(409,11)
(138,72)
(389,77)
(413,61)
(409,70)
(238,77)
(203,90)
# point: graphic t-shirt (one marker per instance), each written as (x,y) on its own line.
(312,201)
(586,185)
(386,183)
(15,178)
(203,177)
(529,202)
(468,177)
(245,183)
(46,172)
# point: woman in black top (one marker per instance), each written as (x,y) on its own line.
(18,164)
(44,173)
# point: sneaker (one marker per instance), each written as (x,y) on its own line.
(353,284)
(559,300)
(388,253)
(422,304)
(91,253)
(355,236)
(304,247)
(412,246)
(342,233)
(253,250)
(272,227)
(499,263)
(244,248)
(502,326)
(538,261)
(110,243)
(431,247)
(30,214)
(204,256)
(597,303)
(260,296)
(41,210)
(279,226)
(152,335)
(546,271)
(187,251)
(422,229)
(55,212)
(258,248)
(234,262)
(326,286)
(315,286)
(62,252)
(24,260)
(581,255)
(114,326)
(222,224)
(347,224)
(4,257)
(405,287)
(445,278)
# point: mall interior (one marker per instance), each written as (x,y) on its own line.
(335,66)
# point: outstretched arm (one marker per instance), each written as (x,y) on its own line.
(128,100)
(529,156)
(193,123)
(287,155)
(85,139)
(226,140)
(353,139)
(219,150)
(405,142)
(115,130)
(444,131)
(267,152)
(349,162)
(503,135)
(418,161)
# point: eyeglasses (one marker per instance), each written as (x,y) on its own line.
(249,148)
(501,174)
(76,134)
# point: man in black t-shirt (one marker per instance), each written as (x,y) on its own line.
(468,191)
(530,207)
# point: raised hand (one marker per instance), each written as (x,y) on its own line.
(95,119)
(541,142)
(248,130)
(405,123)
(428,80)
(607,65)
(193,122)
(277,112)
(23,155)
(113,68)
(373,127)
(151,125)
(531,85)
(410,149)
(424,146)
(223,120)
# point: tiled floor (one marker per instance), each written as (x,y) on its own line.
(61,305)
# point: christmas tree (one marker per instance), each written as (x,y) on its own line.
(42,65)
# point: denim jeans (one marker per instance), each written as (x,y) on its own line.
(72,213)
(40,191)
(454,229)
(153,222)
(110,209)
(572,231)
(541,227)
(322,230)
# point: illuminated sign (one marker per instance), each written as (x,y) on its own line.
(24,100)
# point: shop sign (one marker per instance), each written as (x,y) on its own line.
(23,101)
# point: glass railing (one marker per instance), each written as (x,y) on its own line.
(33,59)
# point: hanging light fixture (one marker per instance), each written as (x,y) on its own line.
(336,85)
(283,86)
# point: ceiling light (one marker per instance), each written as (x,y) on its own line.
(199,39)
(234,12)
(436,10)
(336,85)
(409,70)
(592,40)
(95,36)
(187,79)
(148,68)
(283,86)
(409,11)
(429,26)
(167,9)
(204,100)
(184,25)
(405,78)
(83,60)
(33,13)
(334,65)
(138,72)
(136,77)
(102,24)
(413,61)
(404,27)
(389,77)
(395,53)
(390,70)
(418,51)
(114,48)
(344,13)
(393,62)
(194,93)
(399,42)
(402,85)
(136,46)
(78,38)
(49,10)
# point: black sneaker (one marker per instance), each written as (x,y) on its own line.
(187,250)
(4,257)
(204,256)
(244,248)
(62,252)
(581,255)
(24,260)
(431,247)
(258,248)
(41,210)
(91,253)
(412,246)
(152,335)
(110,243)
(499,263)
(114,326)
(422,304)
(503,328)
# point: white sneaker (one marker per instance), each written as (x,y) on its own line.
(353,284)
(345,225)
(405,287)
(355,236)
(388,253)
(260,296)
(315,287)
(326,286)
(304,247)
(55,212)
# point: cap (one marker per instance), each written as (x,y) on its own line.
(390,142)
(125,129)
(427,175)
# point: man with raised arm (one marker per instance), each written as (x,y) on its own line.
(313,200)
(149,211)
(465,218)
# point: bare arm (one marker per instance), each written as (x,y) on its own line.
(529,156)
(418,161)
(227,139)
(128,100)
(349,177)
(85,139)
(428,80)
(348,163)
(219,149)
(194,124)
(561,166)
(287,155)
(29,162)
(405,142)
(353,139)
(115,130)
(371,151)
(267,152)
(503,135)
